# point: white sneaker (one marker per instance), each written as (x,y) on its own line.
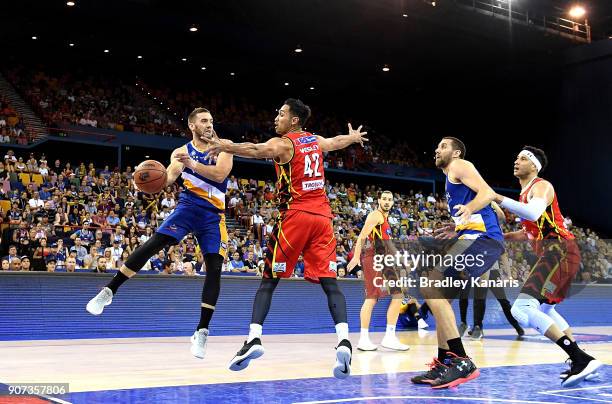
(366,345)
(391,342)
(344,353)
(422,324)
(102,299)
(198,343)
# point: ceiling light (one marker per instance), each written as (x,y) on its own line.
(312,88)
(71,44)
(203,68)
(286,83)
(405,15)
(577,12)
(385,68)
(298,49)
(34,37)
(139,56)
(232,74)
(70,3)
(193,28)
(184,59)
(106,51)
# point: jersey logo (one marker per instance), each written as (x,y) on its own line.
(333,267)
(312,185)
(305,139)
(389,232)
(279,267)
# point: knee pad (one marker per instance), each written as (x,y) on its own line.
(526,310)
(549,310)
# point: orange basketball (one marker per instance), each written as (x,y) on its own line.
(150,176)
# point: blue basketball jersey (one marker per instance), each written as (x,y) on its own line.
(482,223)
(199,190)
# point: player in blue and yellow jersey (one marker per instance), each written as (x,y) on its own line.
(200,211)
(477,245)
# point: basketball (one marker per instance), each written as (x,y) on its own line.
(150,176)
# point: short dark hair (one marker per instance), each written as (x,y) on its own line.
(299,109)
(196,111)
(380,194)
(540,155)
(457,145)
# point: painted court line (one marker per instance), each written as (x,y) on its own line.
(556,393)
(471,399)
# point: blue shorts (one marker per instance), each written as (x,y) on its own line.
(206,225)
(473,257)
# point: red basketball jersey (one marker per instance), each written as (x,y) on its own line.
(301,181)
(381,231)
(550,224)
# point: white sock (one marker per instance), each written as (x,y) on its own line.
(365,335)
(342,331)
(390,331)
(254,332)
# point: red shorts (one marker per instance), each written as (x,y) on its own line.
(551,276)
(298,232)
(373,280)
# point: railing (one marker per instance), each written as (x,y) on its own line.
(578,31)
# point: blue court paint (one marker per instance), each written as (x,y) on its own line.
(507,384)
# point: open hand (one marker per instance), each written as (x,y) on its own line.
(358,134)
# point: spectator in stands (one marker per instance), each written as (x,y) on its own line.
(51,265)
(78,249)
(12,253)
(103,265)
(25,263)
(16,264)
(236,264)
(299,267)
(6,265)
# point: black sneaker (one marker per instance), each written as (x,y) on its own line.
(477,333)
(576,374)
(519,331)
(251,350)
(344,354)
(458,371)
(462,327)
(436,368)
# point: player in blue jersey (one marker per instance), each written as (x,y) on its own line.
(200,211)
(475,246)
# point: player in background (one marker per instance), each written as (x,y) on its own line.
(377,233)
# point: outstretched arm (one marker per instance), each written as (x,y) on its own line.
(542,195)
(342,141)
(273,148)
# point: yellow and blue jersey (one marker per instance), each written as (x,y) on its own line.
(200,210)
(482,223)
(199,190)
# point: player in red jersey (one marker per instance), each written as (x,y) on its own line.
(377,232)
(558,262)
(304,226)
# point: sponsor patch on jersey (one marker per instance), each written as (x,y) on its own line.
(309,149)
(279,267)
(224,245)
(312,185)
(333,267)
(305,139)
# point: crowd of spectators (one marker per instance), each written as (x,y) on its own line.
(102,102)
(12,127)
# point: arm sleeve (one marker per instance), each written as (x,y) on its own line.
(530,211)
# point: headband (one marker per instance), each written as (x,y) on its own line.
(531,158)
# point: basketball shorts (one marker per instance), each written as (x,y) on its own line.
(551,276)
(297,232)
(207,226)
(374,278)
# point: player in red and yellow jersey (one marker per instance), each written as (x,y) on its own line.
(304,225)
(376,232)
(558,262)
